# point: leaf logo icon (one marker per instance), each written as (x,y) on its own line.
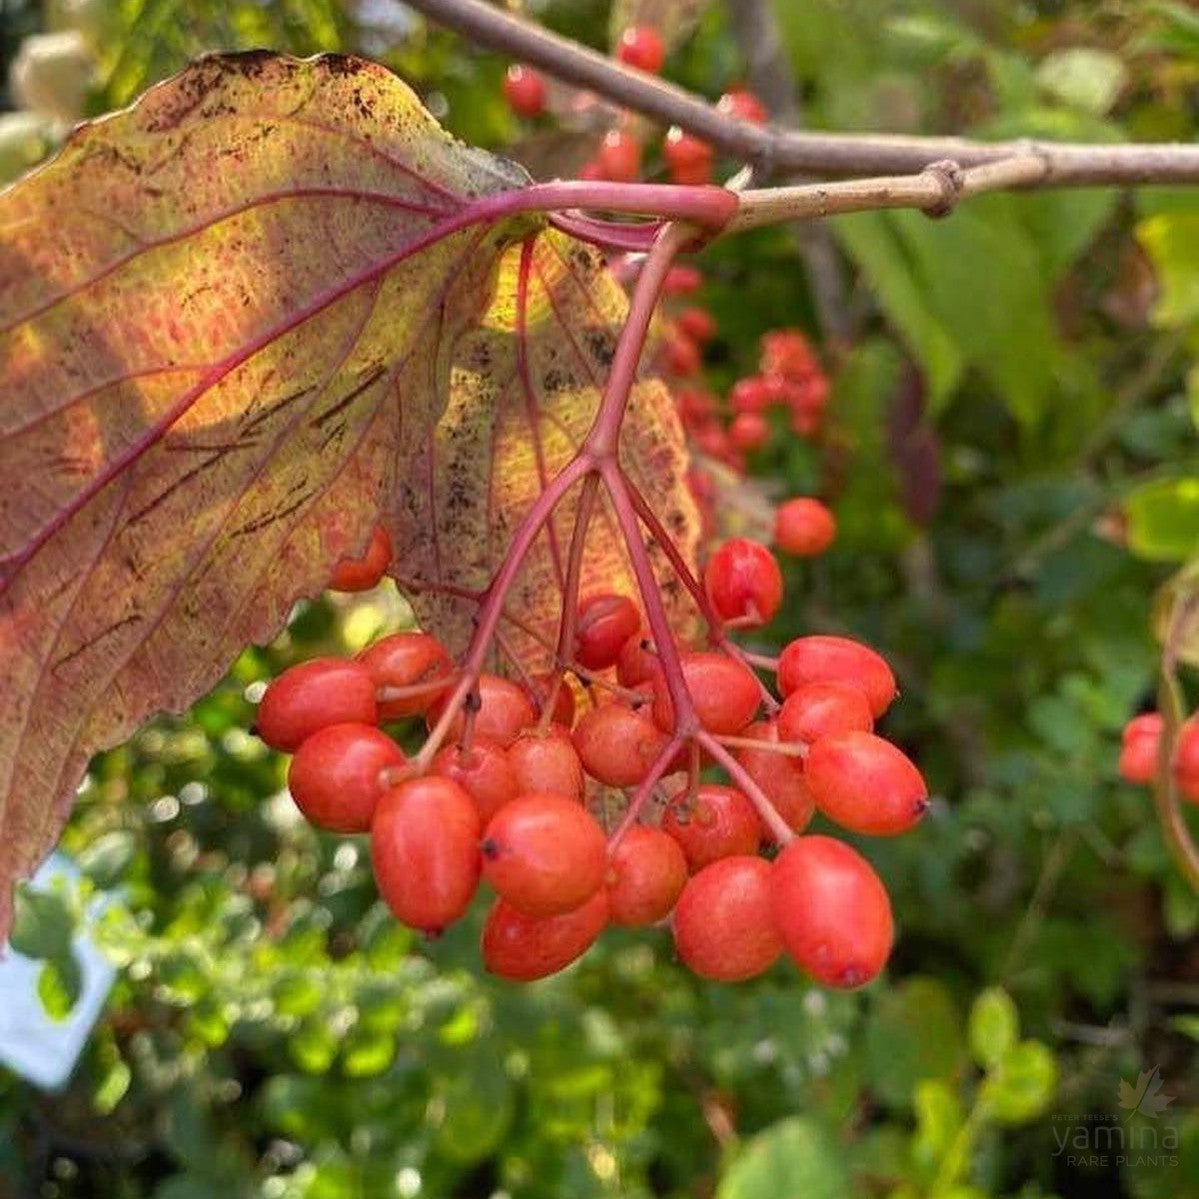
(1146,1096)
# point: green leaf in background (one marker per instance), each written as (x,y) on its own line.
(914,1034)
(1021,1084)
(477,1103)
(1163,520)
(993,1027)
(938,1118)
(59,984)
(1171,239)
(792,1158)
(43,924)
(1083,77)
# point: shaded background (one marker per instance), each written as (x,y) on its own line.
(1012,458)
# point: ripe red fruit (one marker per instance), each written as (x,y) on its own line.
(744,105)
(482,771)
(544,854)
(865,784)
(717,822)
(749,430)
(724,692)
(689,161)
(1186,761)
(522,947)
(682,280)
(312,696)
(788,354)
(779,775)
(542,687)
(334,777)
(635,664)
(504,709)
(832,911)
(425,849)
(698,323)
(683,356)
(1141,742)
(617,745)
(361,574)
(821,659)
(723,923)
(743,582)
(547,762)
(646,872)
(407,660)
(524,89)
(619,156)
(642,46)
(605,623)
(804,526)
(818,710)
(751,394)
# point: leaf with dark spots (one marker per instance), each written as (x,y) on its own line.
(228,318)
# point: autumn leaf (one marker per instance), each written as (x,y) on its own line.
(1146,1096)
(228,319)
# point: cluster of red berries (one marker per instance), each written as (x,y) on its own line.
(507,797)
(1141,747)
(619,157)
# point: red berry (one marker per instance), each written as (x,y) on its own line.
(404,660)
(334,777)
(312,696)
(832,911)
(617,745)
(716,822)
(544,854)
(724,693)
(787,352)
(751,394)
(683,356)
(804,526)
(605,623)
(1186,761)
(482,771)
(749,430)
(564,698)
(865,784)
(361,574)
(1141,743)
(689,161)
(723,924)
(821,659)
(635,664)
(425,848)
(523,947)
(698,323)
(743,582)
(779,775)
(744,105)
(642,46)
(682,280)
(819,710)
(619,156)
(524,89)
(547,762)
(646,872)
(504,709)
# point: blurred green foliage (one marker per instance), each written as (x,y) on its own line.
(1013,462)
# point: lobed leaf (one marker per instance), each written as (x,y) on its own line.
(229,318)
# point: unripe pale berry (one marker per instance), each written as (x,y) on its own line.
(312,696)
(523,947)
(743,582)
(425,850)
(831,910)
(723,922)
(823,659)
(544,854)
(804,526)
(361,574)
(403,660)
(646,872)
(715,822)
(865,784)
(334,777)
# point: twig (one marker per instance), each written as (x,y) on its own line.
(1065,164)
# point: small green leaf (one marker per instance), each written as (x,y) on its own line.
(1171,239)
(1084,78)
(938,1119)
(112,1087)
(914,1033)
(107,858)
(1021,1084)
(1163,520)
(994,1026)
(792,1158)
(43,924)
(59,984)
